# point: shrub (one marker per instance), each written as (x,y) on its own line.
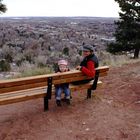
(40,61)
(4,65)
(35,71)
(66,51)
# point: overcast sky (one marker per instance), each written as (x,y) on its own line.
(96,8)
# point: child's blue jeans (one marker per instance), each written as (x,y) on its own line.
(60,89)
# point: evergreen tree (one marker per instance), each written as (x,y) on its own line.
(2,7)
(66,51)
(128,28)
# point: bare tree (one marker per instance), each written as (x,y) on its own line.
(2,7)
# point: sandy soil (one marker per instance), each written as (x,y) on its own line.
(113,113)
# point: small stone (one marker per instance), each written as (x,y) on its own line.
(87,129)
(83,123)
(137,102)
(70,131)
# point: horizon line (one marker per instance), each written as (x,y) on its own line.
(56,17)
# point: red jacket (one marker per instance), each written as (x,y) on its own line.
(90,69)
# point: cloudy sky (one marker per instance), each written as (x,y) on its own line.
(96,8)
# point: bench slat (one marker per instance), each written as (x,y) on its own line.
(13,97)
(22,87)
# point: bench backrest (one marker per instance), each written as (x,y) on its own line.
(42,80)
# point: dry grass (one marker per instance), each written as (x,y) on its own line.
(32,72)
(106,58)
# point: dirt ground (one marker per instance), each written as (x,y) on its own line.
(113,113)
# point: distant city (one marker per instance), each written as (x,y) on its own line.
(44,40)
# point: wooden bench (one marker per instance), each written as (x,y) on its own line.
(42,86)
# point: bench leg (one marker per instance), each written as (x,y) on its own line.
(46,104)
(88,93)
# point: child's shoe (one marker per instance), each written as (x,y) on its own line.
(58,102)
(64,99)
(68,101)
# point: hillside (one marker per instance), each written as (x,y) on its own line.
(40,42)
(112,114)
